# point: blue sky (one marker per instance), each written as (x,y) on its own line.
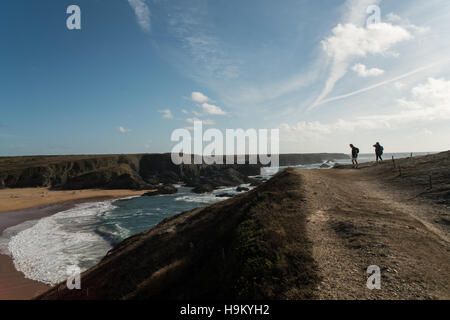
(139,69)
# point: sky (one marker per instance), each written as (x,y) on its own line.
(325,73)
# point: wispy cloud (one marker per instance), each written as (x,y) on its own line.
(429,102)
(213,110)
(205,122)
(195,113)
(123,129)
(350,41)
(199,97)
(394,18)
(208,108)
(142,12)
(374,86)
(362,71)
(205,55)
(167,114)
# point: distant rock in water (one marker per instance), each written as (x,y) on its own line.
(325,166)
(203,188)
(224,195)
(242,189)
(256,182)
(167,189)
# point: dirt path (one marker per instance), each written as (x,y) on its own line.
(356,222)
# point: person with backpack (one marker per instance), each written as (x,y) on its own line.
(355,152)
(378,151)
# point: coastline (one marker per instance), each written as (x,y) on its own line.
(25,198)
(13,284)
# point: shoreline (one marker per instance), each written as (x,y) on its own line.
(16,199)
(13,284)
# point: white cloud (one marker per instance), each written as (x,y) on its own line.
(305,130)
(350,41)
(195,113)
(427,132)
(205,122)
(362,71)
(429,102)
(199,97)
(379,84)
(142,14)
(392,17)
(207,108)
(167,114)
(192,120)
(123,130)
(212,109)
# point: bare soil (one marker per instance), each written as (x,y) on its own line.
(357,221)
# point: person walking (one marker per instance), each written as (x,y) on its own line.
(355,152)
(378,151)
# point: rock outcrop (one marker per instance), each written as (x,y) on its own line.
(159,190)
(203,188)
(139,172)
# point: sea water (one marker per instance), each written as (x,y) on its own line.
(44,249)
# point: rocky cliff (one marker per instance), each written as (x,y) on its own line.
(139,171)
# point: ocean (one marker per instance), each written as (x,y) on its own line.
(44,249)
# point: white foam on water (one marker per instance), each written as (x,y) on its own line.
(200,198)
(44,250)
(122,232)
(11,232)
(269,171)
(211,197)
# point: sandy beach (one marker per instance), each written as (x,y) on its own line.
(19,199)
(20,205)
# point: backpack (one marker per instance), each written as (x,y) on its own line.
(381,149)
(357,150)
